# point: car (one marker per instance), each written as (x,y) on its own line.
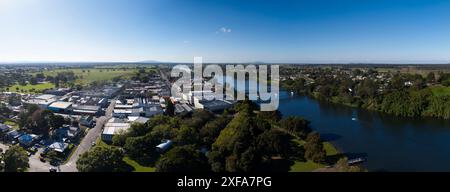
(42,159)
(33,150)
(52,169)
(54,162)
(93,143)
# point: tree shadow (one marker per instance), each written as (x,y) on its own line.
(148,161)
(276,165)
(326,137)
(124,167)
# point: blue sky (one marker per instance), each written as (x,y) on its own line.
(395,31)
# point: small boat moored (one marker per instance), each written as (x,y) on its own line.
(356,161)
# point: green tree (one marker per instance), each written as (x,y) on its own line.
(56,121)
(314,150)
(170,108)
(120,138)
(15,159)
(187,136)
(343,166)
(182,159)
(101,159)
(431,77)
(296,125)
(142,148)
(211,130)
(274,142)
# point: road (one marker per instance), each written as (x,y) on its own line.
(87,141)
(85,145)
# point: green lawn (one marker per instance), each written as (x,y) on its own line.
(308,166)
(137,167)
(134,164)
(440,90)
(12,124)
(100,142)
(31,88)
(91,75)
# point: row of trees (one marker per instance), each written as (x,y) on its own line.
(395,96)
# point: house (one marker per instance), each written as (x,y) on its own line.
(13,135)
(4,128)
(103,103)
(67,132)
(27,140)
(164,146)
(87,120)
(60,147)
(408,83)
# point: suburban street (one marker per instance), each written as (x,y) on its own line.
(87,141)
(37,166)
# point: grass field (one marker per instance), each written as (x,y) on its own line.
(31,88)
(87,76)
(308,166)
(137,167)
(440,90)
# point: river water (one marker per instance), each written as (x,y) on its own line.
(389,143)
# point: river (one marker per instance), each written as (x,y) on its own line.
(389,143)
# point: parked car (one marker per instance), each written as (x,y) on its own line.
(33,150)
(52,169)
(54,163)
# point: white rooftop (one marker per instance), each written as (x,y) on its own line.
(61,105)
(113,128)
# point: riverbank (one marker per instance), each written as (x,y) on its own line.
(309,166)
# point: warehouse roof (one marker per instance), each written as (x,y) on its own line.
(60,105)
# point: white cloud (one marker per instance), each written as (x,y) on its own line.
(225,30)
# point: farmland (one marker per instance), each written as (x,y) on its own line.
(31,88)
(86,76)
